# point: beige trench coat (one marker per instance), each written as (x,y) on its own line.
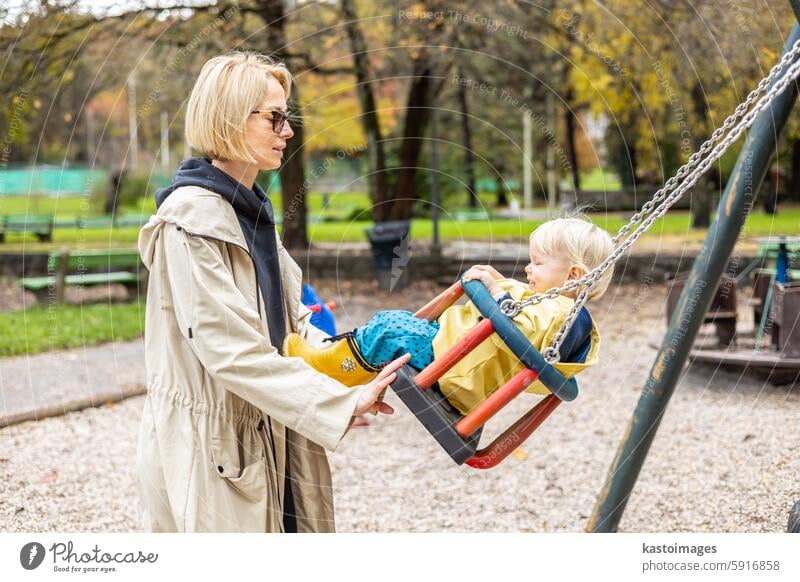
(224,410)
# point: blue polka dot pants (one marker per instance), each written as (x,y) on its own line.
(390,334)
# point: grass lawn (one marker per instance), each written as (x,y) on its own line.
(63,207)
(41,329)
(674,225)
(72,207)
(787,221)
(599,180)
(339,202)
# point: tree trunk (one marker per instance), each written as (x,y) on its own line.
(701,192)
(113,192)
(416,124)
(292,172)
(502,192)
(293,187)
(701,204)
(469,156)
(377,184)
(794,180)
(769,194)
(572,150)
(626,162)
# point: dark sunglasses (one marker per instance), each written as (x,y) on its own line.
(278,117)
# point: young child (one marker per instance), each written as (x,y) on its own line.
(560,250)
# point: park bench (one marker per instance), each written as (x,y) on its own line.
(71,268)
(624,199)
(131,220)
(786,307)
(39,224)
(105,221)
(91,222)
(469,215)
(42,225)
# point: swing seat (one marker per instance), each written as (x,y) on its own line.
(459,435)
(436,414)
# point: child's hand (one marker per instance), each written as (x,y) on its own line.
(486,275)
(489,269)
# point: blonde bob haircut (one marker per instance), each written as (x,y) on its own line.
(576,241)
(228,89)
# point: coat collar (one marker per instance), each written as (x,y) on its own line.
(198,211)
(203,212)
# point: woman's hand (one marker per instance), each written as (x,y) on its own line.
(486,275)
(370,400)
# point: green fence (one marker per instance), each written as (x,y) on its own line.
(49,181)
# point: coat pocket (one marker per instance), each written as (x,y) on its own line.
(249,480)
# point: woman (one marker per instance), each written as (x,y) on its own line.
(233,433)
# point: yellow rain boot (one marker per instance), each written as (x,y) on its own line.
(342,361)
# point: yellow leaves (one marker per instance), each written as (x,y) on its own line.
(769,56)
(379,30)
(603,82)
(331,112)
(418,8)
(603,91)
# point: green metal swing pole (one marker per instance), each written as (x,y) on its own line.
(736,202)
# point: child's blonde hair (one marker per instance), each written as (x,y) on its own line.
(227,90)
(578,242)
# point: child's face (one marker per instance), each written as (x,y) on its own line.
(546,271)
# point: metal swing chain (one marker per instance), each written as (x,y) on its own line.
(692,170)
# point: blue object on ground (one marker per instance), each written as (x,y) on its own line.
(323,319)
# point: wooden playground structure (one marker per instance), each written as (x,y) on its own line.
(769,347)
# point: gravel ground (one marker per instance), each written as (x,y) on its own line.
(723,459)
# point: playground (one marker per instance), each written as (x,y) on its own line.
(723,460)
(605,197)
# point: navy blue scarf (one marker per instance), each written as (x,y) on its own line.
(256,218)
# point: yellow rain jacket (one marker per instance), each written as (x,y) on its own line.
(492,363)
